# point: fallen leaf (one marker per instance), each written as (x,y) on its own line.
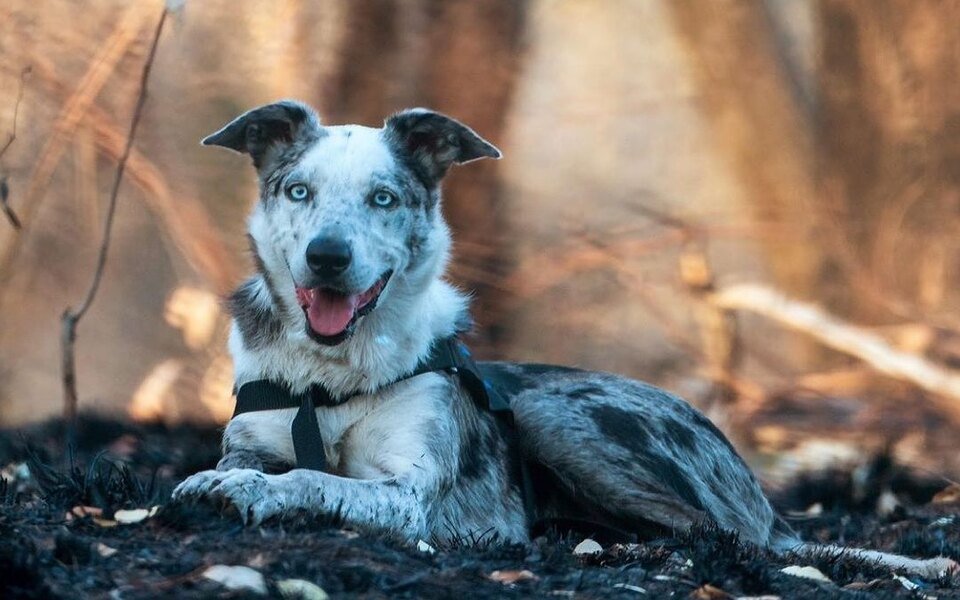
(587,546)
(509,577)
(237,578)
(78,512)
(630,588)
(422,546)
(947,495)
(134,515)
(300,589)
(105,550)
(105,522)
(709,592)
(862,585)
(806,572)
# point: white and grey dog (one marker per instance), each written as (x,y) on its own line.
(350,247)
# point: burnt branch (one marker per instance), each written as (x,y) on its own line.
(71,317)
(4,188)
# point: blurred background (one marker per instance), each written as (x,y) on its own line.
(751,203)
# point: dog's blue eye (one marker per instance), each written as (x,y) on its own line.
(384,199)
(298,192)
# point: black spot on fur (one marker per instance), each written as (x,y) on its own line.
(680,435)
(479,449)
(621,427)
(665,470)
(505,378)
(627,430)
(258,324)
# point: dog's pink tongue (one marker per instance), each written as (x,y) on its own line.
(330,313)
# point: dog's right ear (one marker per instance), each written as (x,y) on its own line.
(260,131)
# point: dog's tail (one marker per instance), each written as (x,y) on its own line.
(786,541)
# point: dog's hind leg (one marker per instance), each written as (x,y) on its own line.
(634,454)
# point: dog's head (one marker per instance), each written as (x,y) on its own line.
(349,213)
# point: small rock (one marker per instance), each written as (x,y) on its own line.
(300,589)
(131,516)
(105,550)
(78,512)
(806,572)
(587,546)
(887,503)
(237,578)
(422,546)
(709,592)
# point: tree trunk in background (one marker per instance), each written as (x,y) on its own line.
(890,135)
(470,77)
(763,127)
(760,124)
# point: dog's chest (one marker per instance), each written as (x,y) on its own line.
(368,437)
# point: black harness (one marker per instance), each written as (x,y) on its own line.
(448,355)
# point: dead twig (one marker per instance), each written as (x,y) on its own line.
(855,341)
(4,188)
(71,317)
(100,70)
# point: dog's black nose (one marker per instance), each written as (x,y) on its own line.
(328,256)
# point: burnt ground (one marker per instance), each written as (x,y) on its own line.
(119,465)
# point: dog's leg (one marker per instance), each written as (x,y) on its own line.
(240,459)
(392,506)
(259,441)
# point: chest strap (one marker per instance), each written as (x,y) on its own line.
(448,355)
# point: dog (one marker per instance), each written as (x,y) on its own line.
(350,249)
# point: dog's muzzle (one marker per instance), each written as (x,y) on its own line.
(332,314)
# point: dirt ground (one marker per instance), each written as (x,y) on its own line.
(120,465)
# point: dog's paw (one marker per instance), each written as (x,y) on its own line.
(250,493)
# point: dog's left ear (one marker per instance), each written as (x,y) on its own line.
(262,130)
(435,141)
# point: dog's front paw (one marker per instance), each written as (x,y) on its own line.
(197,485)
(251,493)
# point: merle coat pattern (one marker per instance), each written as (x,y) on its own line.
(350,247)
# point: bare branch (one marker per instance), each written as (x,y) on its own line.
(855,341)
(71,318)
(4,189)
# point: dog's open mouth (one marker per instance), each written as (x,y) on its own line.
(331,314)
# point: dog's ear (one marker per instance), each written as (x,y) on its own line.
(258,131)
(435,141)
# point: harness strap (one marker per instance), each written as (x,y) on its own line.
(448,355)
